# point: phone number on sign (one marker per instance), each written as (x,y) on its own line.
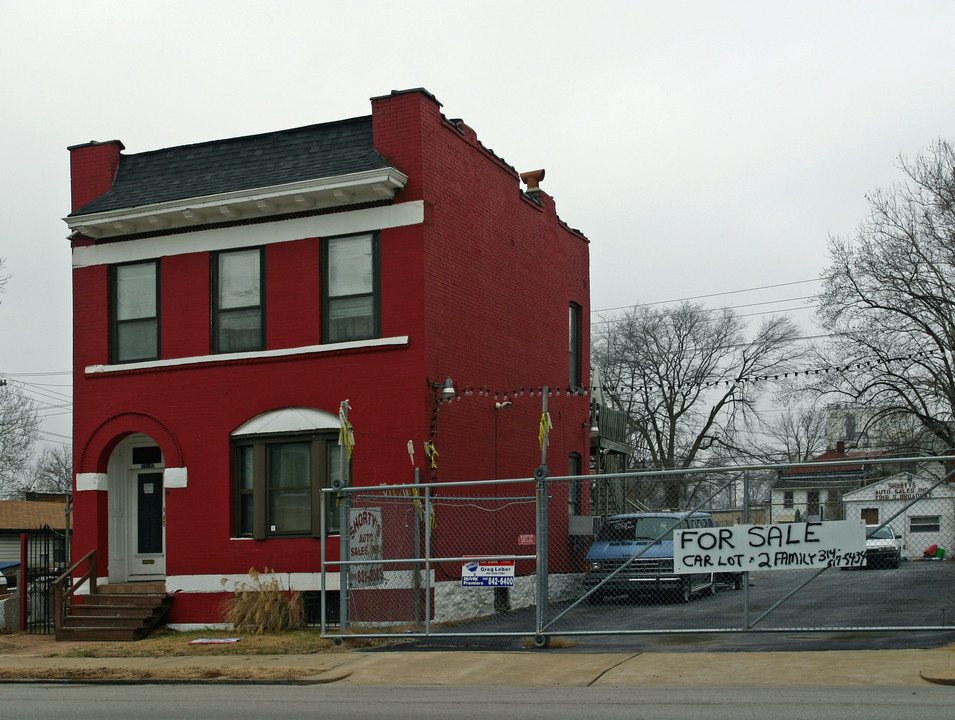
(480,581)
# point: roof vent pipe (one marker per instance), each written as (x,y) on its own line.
(532,179)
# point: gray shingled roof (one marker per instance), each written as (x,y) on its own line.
(245,163)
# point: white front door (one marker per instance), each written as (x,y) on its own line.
(137,507)
(147,515)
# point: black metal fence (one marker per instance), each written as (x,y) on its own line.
(47,555)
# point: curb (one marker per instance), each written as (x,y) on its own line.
(314,680)
(936,680)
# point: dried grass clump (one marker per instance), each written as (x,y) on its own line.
(262,605)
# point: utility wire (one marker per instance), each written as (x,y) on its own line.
(710,295)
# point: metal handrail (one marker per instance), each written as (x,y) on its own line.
(62,596)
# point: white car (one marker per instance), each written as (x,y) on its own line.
(883,549)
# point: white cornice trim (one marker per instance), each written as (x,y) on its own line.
(239,236)
(367,186)
(231,357)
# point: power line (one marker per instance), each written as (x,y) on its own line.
(710,295)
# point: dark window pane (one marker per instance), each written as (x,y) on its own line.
(289,465)
(244,467)
(350,266)
(351,319)
(290,505)
(574,342)
(137,340)
(240,330)
(290,511)
(136,291)
(151,455)
(246,507)
(240,279)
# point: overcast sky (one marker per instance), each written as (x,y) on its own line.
(705,148)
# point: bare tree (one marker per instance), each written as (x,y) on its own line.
(888,297)
(19,428)
(687,378)
(3,278)
(53,470)
(798,435)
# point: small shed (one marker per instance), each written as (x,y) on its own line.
(921,523)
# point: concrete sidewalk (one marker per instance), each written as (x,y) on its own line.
(543,668)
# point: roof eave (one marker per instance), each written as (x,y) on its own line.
(316,194)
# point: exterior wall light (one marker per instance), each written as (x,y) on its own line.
(447,389)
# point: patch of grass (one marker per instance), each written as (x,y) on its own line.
(177,673)
(167,643)
(262,605)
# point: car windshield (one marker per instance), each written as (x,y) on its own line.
(637,528)
(883,533)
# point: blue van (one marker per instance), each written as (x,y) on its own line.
(633,555)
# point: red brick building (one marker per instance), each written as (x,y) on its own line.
(230,295)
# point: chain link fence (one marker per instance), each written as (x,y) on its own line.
(781,548)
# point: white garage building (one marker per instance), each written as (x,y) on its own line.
(921,524)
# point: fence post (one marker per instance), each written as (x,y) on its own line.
(540,475)
(746,520)
(22,582)
(343,506)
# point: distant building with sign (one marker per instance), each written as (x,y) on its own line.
(920,523)
(813,493)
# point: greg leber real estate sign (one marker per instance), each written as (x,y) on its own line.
(788,546)
(487,573)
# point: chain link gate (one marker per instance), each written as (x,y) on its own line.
(505,557)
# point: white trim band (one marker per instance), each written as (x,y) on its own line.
(398,341)
(239,236)
(91,481)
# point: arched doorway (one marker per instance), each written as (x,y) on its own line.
(137,511)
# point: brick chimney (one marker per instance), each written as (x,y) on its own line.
(92,169)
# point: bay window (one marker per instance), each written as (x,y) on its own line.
(278,482)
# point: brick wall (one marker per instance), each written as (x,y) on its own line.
(481,289)
(92,169)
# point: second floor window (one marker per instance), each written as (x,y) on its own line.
(350,289)
(135,312)
(238,317)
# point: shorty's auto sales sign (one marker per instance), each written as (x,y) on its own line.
(365,539)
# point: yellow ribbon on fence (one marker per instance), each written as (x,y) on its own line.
(431,453)
(545,428)
(346,434)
